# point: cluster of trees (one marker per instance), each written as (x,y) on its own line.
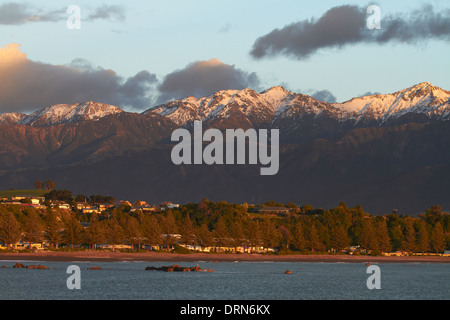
(211,223)
(48,184)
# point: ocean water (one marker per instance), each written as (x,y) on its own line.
(231,281)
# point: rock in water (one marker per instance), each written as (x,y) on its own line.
(177,268)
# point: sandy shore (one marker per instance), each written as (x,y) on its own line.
(153,256)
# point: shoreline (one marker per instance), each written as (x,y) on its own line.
(86,256)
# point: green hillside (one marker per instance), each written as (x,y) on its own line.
(22,192)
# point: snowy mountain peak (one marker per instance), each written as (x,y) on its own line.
(276,90)
(276,94)
(423,98)
(424,89)
(69,113)
(11,118)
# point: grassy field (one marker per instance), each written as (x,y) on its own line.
(23,192)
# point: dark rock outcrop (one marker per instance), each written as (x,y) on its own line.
(39,266)
(177,268)
(21,265)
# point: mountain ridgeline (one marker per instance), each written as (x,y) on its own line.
(384,151)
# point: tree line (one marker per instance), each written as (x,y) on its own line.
(223,224)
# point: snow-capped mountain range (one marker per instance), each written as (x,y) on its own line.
(278,103)
(270,107)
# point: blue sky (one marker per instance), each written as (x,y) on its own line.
(162,37)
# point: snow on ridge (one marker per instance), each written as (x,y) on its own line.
(279,102)
(67,113)
(218,104)
(11,117)
(273,103)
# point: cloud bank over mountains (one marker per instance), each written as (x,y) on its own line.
(29,85)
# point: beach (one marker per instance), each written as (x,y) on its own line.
(100,256)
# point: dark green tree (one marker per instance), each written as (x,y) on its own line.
(423,240)
(253,233)
(409,238)
(270,234)
(312,240)
(298,237)
(151,231)
(237,234)
(73,230)
(383,242)
(170,229)
(38,184)
(53,226)
(285,236)
(9,228)
(220,233)
(114,232)
(204,236)
(50,184)
(188,231)
(437,238)
(94,233)
(339,237)
(32,228)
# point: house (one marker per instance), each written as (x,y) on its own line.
(169,205)
(89,209)
(273,210)
(82,205)
(120,203)
(61,205)
(103,206)
(34,199)
(146,208)
(140,203)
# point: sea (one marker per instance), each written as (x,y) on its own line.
(237,281)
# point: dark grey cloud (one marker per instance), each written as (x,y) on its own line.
(202,78)
(28,85)
(108,12)
(324,95)
(346,25)
(14,13)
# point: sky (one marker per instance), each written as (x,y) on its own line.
(138,54)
